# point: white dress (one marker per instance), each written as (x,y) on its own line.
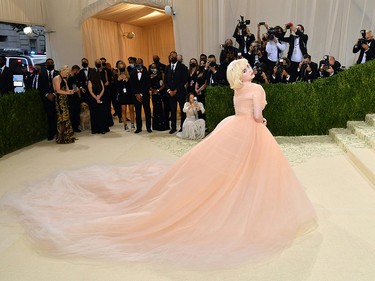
(193,128)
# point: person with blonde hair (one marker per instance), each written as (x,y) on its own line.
(64,126)
(232,199)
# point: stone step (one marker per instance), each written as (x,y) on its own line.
(361,154)
(364,131)
(370,119)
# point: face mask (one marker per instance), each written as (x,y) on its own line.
(85,64)
(51,67)
(156,60)
(131,65)
(104,64)
(36,71)
(98,65)
(193,64)
(154,70)
(138,67)
(264,38)
(122,69)
(173,60)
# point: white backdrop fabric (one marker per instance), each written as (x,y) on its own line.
(202,25)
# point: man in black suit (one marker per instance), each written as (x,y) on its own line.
(307,69)
(366,48)
(82,77)
(48,95)
(244,38)
(175,79)
(329,66)
(297,47)
(33,80)
(140,89)
(6,77)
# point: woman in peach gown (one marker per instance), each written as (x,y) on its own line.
(231,199)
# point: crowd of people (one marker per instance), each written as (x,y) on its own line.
(129,87)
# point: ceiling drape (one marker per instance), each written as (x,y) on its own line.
(108,39)
(22,11)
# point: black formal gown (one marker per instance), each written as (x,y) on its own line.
(158,114)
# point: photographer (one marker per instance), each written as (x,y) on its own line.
(273,47)
(255,54)
(226,48)
(297,46)
(329,66)
(365,46)
(260,73)
(307,70)
(281,72)
(243,36)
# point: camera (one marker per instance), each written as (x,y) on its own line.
(363,39)
(288,25)
(280,66)
(272,33)
(242,23)
(326,63)
(304,65)
(259,68)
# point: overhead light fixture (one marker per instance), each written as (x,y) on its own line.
(129,35)
(28,30)
(169,10)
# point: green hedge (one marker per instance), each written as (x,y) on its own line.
(304,108)
(23,121)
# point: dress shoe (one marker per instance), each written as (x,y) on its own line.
(172,131)
(149,130)
(180,130)
(77,130)
(137,131)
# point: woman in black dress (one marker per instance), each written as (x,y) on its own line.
(125,97)
(64,126)
(158,92)
(99,122)
(192,78)
(200,85)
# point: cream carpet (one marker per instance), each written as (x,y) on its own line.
(341,249)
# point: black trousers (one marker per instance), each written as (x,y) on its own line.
(293,70)
(115,102)
(107,105)
(74,110)
(179,99)
(138,111)
(50,108)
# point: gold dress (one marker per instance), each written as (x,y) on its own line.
(64,126)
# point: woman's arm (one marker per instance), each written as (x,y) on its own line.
(201,107)
(186,107)
(56,86)
(258,103)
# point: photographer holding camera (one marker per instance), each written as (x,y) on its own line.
(226,48)
(243,36)
(255,54)
(307,70)
(259,70)
(297,46)
(273,47)
(366,46)
(329,66)
(281,72)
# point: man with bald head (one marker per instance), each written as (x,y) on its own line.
(366,47)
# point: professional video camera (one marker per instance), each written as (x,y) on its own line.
(363,39)
(242,23)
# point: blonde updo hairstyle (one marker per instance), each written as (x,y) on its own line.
(234,73)
(65,68)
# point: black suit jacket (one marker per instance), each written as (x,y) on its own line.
(140,86)
(82,77)
(176,80)
(6,81)
(243,41)
(309,76)
(302,43)
(45,86)
(370,54)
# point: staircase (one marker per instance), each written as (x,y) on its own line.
(358,141)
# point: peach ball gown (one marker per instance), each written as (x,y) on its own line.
(231,199)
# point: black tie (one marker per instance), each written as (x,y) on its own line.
(50,77)
(34,84)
